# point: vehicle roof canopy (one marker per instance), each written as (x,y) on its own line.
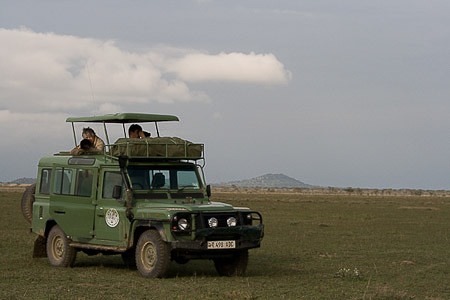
(125,118)
(121,118)
(154,148)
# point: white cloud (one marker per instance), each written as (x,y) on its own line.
(41,72)
(109,108)
(33,131)
(239,67)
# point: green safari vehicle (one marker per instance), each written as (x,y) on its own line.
(145,199)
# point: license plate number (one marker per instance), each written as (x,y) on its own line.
(221,244)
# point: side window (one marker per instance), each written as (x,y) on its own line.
(110,180)
(46,176)
(63,181)
(84,183)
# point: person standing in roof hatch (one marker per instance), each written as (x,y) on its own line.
(135,132)
(97,143)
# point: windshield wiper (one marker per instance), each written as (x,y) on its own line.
(185,186)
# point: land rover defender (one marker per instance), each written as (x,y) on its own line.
(145,199)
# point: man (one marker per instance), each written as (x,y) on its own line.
(135,132)
(83,148)
(97,143)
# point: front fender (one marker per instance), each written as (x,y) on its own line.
(141,225)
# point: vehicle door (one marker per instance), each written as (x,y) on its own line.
(72,200)
(111,223)
(42,195)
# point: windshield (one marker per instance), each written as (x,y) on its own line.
(163,178)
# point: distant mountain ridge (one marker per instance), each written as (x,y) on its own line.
(24,180)
(268,181)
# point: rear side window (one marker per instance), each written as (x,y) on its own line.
(63,181)
(84,183)
(46,175)
(110,180)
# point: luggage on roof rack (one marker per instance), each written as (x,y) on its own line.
(161,147)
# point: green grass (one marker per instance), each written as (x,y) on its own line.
(399,246)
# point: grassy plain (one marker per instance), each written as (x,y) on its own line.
(315,247)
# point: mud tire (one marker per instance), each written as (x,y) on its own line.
(27,202)
(59,253)
(232,266)
(152,255)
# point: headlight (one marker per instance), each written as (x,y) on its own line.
(212,222)
(183,224)
(231,221)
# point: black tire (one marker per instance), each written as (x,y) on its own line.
(232,266)
(152,255)
(59,253)
(129,258)
(27,202)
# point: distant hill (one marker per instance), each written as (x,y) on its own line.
(268,181)
(24,181)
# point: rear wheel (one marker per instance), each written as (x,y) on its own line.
(59,253)
(27,202)
(152,255)
(232,266)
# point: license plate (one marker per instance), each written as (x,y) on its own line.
(221,244)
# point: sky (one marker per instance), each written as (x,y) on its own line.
(332,93)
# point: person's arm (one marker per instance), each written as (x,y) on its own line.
(77,151)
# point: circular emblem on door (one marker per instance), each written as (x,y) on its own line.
(112,217)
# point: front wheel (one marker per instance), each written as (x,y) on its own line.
(152,255)
(59,253)
(232,266)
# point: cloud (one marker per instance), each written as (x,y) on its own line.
(63,73)
(238,67)
(29,123)
(47,72)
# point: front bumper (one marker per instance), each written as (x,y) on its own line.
(246,237)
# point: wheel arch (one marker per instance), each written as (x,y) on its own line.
(144,225)
(48,226)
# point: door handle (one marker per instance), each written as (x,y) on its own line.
(101,214)
(59,212)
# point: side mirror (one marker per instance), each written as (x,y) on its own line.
(208,190)
(117,192)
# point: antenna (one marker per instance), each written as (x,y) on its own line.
(90,81)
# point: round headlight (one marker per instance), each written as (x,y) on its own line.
(231,221)
(183,224)
(212,222)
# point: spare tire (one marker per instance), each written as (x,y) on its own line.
(27,202)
